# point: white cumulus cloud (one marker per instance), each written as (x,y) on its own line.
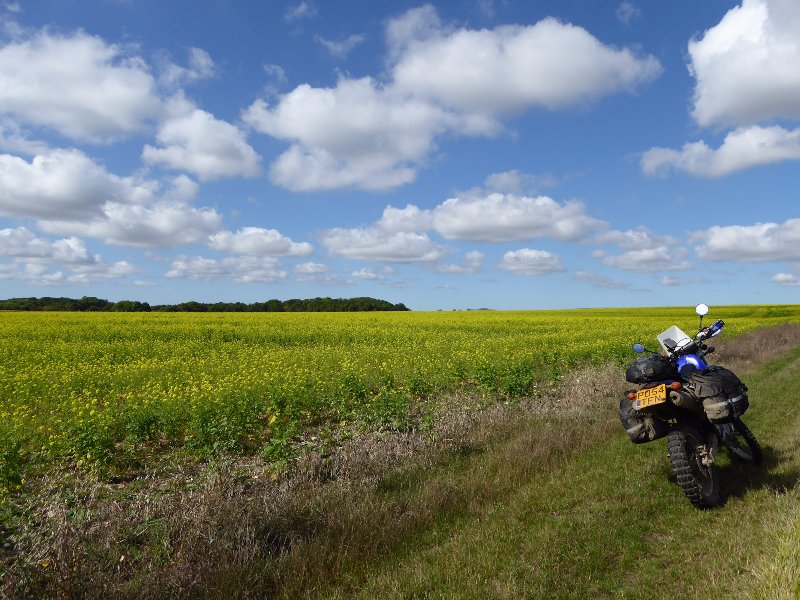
(257,241)
(240,269)
(650,260)
(400,234)
(375,135)
(473,261)
(746,65)
(511,68)
(311,268)
(63,184)
(508,217)
(376,244)
(762,242)
(527,261)
(195,141)
(746,73)
(69,194)
(33,257)
(312,272)
(22,243)
(358,134)
(201,66)
(410,218)
(100,271)
(367,274)
(645,251)
(159,225)
(14,138)
(742,149)
(635,239)
(33,273)
(77,85)
(786,280)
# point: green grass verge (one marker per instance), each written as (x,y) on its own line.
(609,521)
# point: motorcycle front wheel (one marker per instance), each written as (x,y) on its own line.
(741,443)
(696,473)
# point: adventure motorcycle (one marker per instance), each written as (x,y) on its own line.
(693,404)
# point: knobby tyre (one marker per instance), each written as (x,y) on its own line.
(699,482)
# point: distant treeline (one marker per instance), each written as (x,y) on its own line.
(91,304)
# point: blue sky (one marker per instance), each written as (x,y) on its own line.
(451,155)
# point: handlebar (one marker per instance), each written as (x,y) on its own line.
(697,345)
(711,331)
(689,348)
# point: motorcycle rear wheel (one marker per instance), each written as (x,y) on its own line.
(699,482)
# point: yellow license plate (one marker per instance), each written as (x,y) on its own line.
(650,396)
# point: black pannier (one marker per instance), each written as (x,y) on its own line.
(640,427)
(650,367)
(722,393)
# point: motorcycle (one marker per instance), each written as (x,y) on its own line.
(696,406)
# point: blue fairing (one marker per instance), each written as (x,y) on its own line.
(690,362)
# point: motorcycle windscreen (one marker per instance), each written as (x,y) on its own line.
(674,334)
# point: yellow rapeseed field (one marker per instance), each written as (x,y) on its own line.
(92,388)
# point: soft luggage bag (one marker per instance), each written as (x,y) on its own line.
(722,393)
(649,368)
(640,427)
